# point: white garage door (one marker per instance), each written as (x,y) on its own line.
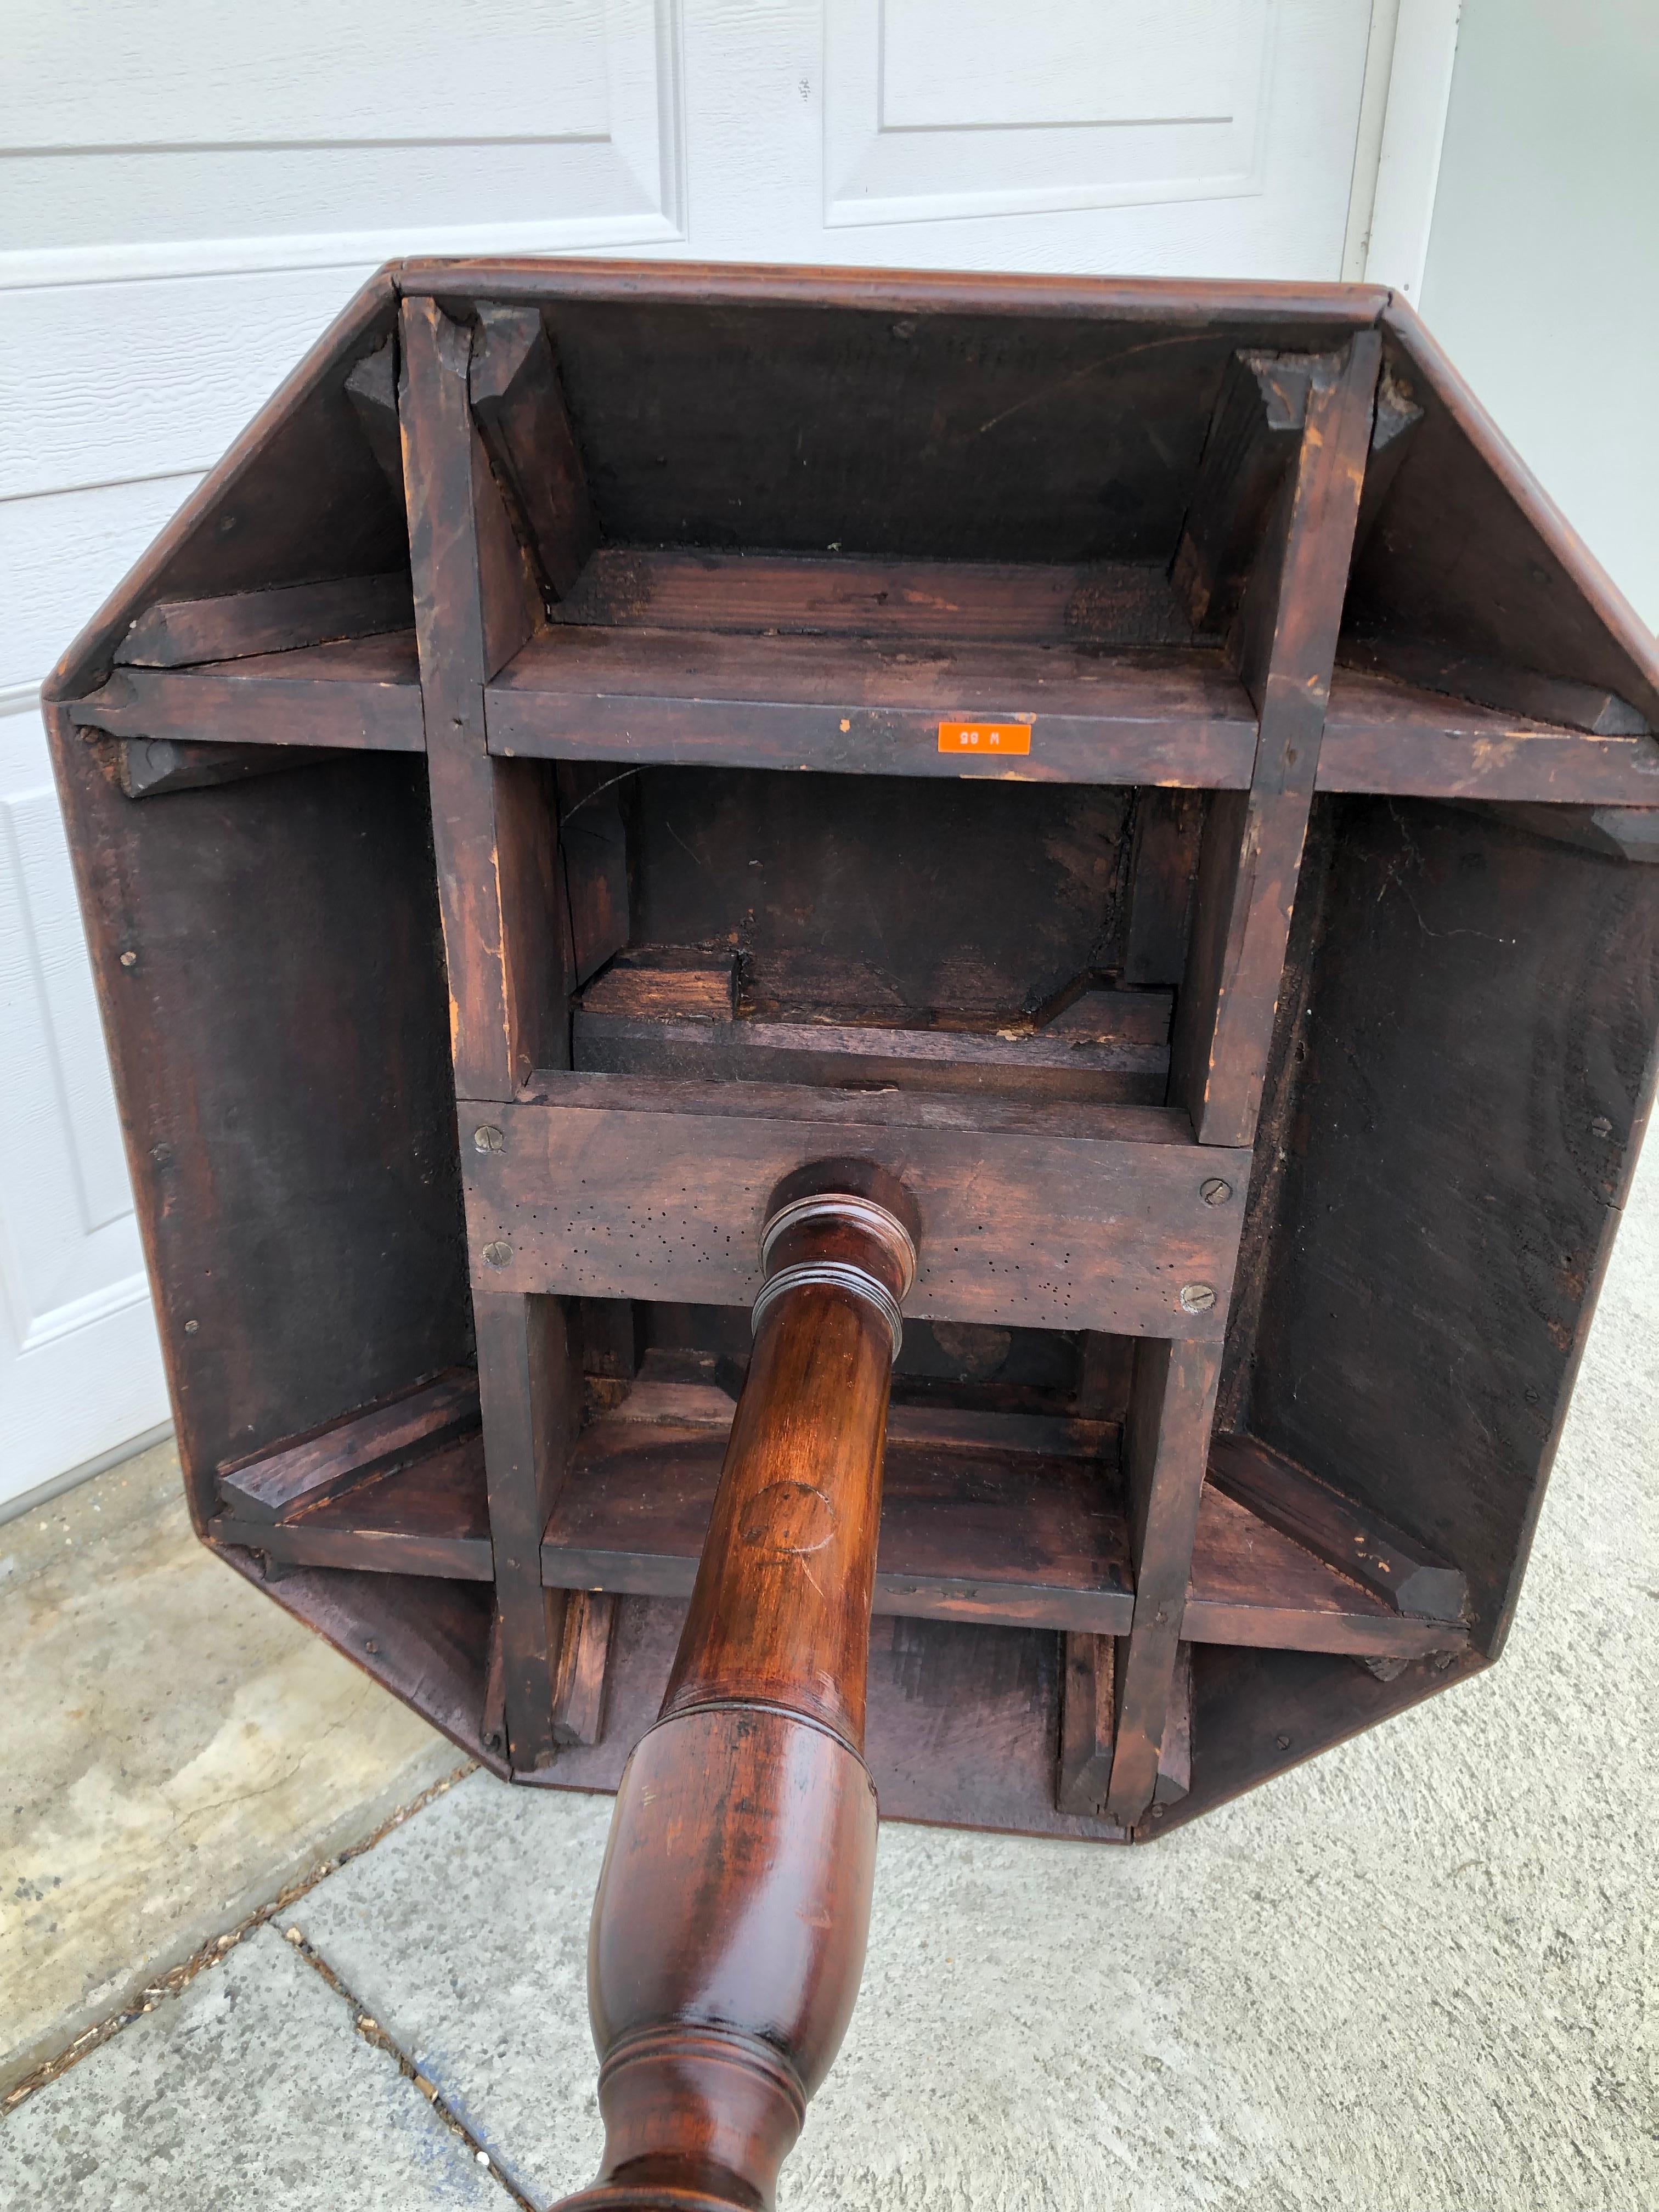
(188,190)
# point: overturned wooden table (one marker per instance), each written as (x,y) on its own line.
(1079,846)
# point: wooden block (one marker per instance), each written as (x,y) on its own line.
(1619,833)
(1386,736)
(1174,1753)
(1552,700)
(492,1728)
(578,1691)
(1166,1441)
(179,633)
(278,1483)
(372,388)
(426,1516)
(519,406)
(1254,437)
(151,767)
(660,1195)
(530,1389)
(1086,1724)
(1168,837)
(593,847)
(1252,1584)
(360,695)
(1413,1578)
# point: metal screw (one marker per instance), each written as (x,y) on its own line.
(487,1140)
(1215,1192)
(190,1328)
(1601,1127)
(1283,1742)
(129,959)
(162,1154)
(370,1645)
(1157,1812)
(497,1255)
(1196,1297)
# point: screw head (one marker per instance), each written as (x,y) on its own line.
(497,1254)
(162,1154)
(1283,1742)
(1196,1297)
(190,1328)
(488,1138)
(129,959)
(1215,1192)
(370,1646)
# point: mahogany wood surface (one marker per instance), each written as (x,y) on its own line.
(733,1906)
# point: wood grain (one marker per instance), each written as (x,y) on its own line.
(361,694)
(665,1199)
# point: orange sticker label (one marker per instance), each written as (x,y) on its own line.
(985,737)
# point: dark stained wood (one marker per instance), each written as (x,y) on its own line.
(1087,1721)
(1285,640)
(1253,441)
(1623,832)
(520,407)
(671,588)
(1409,1575)
(1397,417)
(1252,1584)
(594,853)
(252,1048)
(853,706)
(362,694)
(152,767)
(1554,700)
(673,537)
(493,826)
(268,1487)
(977,1525)
(1174,1753)
(1165,1446)
(427,1518)
(1385,736)
(492,1728)
(681,1021)
(659,1195)
(583,1653)
(530,1389)
(1443,1230)
(179,632)
(372,389)
(1168,840)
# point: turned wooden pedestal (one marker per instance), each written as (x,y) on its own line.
(729,1930)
